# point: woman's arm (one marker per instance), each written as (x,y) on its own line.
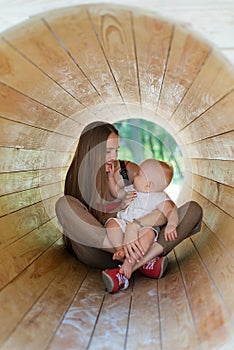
(132,247)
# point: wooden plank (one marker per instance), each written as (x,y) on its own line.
(152,37)
(73,26)
(220,195)
(214,121)
(23,160)
(219,263)
(144,304)
(14,134)
(21,181)
(47,312)
(20,254)
(113,27)
(210,148)
(36,42)
(18,107)
(175,311)
(214,169)
(21,222)
(113,319)
(15,201)
(77,325)
(187,54)
(16,300)
(220,223)
(209,310)
(214,81)
(13,68)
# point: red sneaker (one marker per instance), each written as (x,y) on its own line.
(155,268)
(114,281)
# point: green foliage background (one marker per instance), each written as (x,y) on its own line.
(141,139)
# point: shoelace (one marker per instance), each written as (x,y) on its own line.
(123,279)
(150,265)
(120,277)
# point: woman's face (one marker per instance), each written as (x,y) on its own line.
(112,146)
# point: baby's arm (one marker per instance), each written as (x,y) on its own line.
(169,210)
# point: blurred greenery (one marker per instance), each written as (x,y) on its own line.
(141,139)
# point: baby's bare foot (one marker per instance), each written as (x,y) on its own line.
(126,269)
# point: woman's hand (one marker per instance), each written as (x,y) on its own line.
(132,247)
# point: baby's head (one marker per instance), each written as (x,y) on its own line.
(153,176)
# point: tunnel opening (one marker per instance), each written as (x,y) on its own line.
(141,139)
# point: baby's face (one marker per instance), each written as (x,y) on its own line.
(140,182)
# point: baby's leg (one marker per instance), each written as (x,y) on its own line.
(115,236)
(146,238)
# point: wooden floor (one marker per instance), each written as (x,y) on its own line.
(65,305)
(123,64)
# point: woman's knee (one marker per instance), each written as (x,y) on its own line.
(196,209)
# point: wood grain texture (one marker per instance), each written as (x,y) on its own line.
(152,40)
(220,223)
(209,321)
(115,34)
(213,82)
(216,120)
(21,181)
(13,66)
(17,256)
(77,326)
(144,302)
(187,55)
(23,221)
(19,107)
(86,52)
(175,310)
(49,309)
(40,46)
(220,195)
(214,169)
(210,147)
(17,159)
(15,201)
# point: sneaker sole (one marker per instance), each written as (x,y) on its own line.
(164,266)
(107,280)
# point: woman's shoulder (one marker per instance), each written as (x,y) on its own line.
(131,168)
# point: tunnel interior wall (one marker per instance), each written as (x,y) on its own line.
(65,68)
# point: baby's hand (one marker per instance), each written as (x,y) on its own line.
(170,233)
(129,197)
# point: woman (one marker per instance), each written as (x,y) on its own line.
(88,203)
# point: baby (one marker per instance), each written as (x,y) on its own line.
(149,184)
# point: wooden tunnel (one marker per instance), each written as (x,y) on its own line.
(58,72)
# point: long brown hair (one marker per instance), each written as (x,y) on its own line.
(86,178)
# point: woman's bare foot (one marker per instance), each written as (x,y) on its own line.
(118,255)
(126,269)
